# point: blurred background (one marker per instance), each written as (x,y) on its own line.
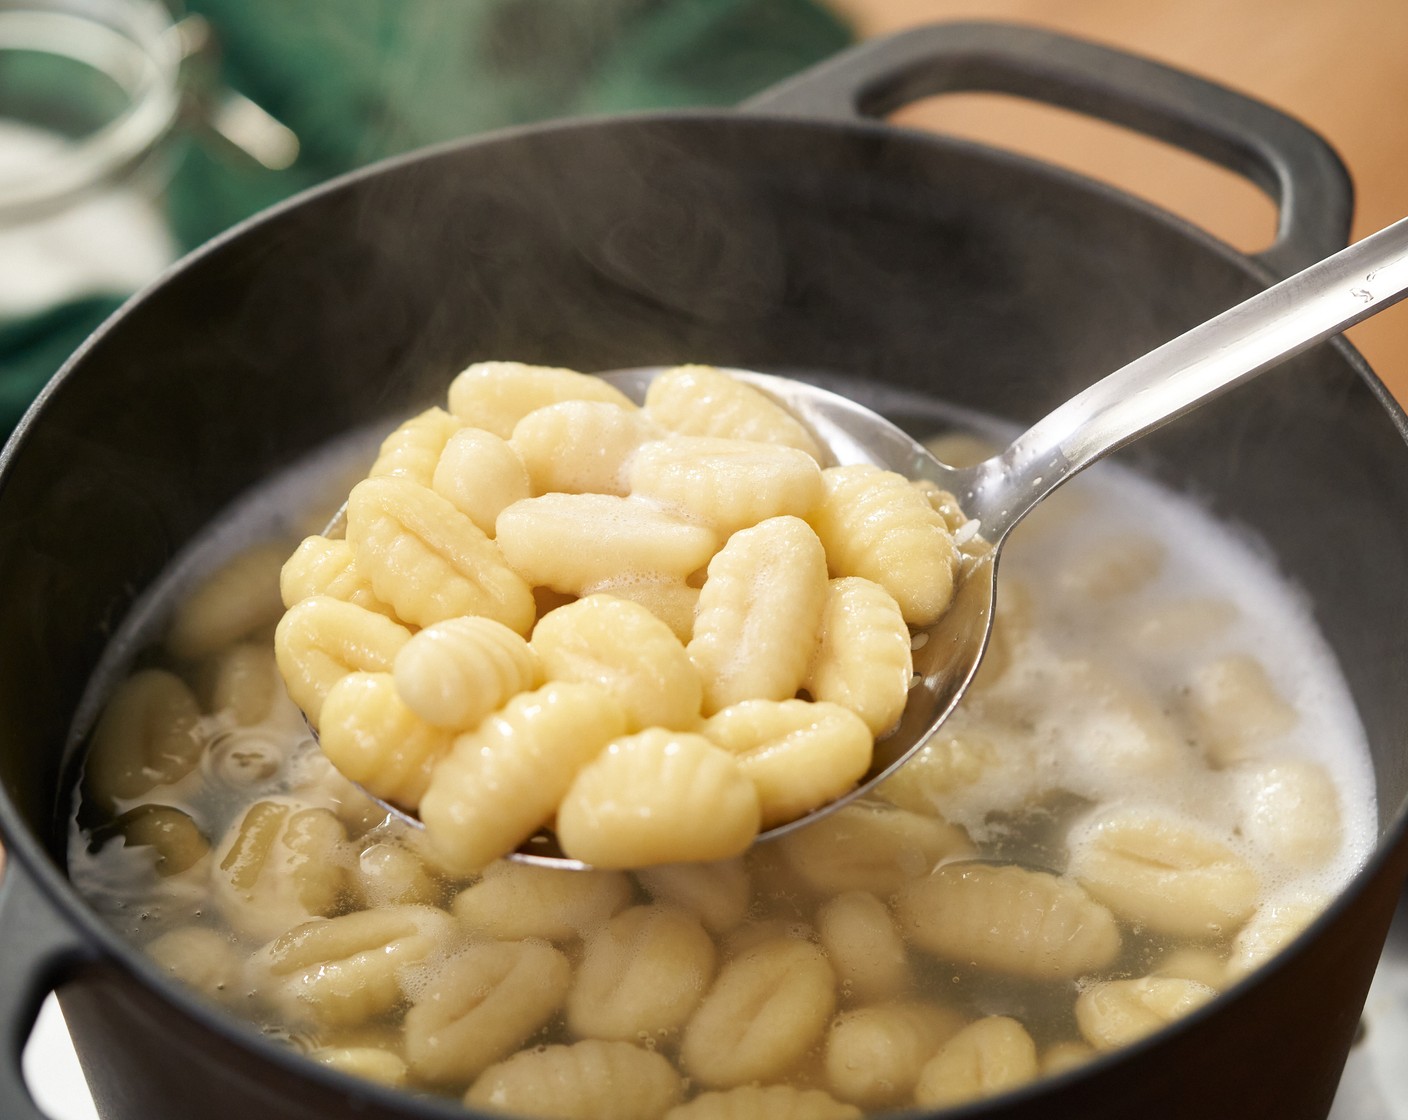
(132,130)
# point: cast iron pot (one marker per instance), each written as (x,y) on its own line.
(797,233)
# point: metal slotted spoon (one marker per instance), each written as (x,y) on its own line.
(997,493)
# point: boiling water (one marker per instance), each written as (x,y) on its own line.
(1112,600)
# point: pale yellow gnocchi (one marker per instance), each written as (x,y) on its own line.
(759,612)
(374,738)
(798,755)
(764,1102)
(664,555)
(874,524)
(581,447)
(874,1055)
(877,960)
(625,650)
(658,797)
(863,659)
(1009,919)
(456,672)
(726,484)
(570,542)
(322,639)
(1115,1013)
(590,1080)
(495,396)
(513,902)
(480,475)
(414,449)
(480,1005)
(146,737)
(1165,872)
(502,781)
(703,401)
(428,560)
(347,970)
(641,975)
(282,863)
(766,1009)
(985,1058)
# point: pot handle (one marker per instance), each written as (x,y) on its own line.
(40,951)
(1295,166)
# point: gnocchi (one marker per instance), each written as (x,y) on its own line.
(1120,821)
(667,555)
(983,1059)
(591,1080)
(766,1009)
(480,1005)
(641,975)
(1009,919)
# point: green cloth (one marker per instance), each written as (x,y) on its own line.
(358,80)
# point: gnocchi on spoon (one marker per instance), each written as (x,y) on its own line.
(595,727)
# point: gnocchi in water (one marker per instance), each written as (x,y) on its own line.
(1155,784)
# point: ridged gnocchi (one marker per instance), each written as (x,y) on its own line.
(570,542)
(703,401)
(322,639)
(985,1058)
(1115,1013)
(766,1009)
(495,396)
(502,781)
(869,847)
(874,1055)
(863,659)
(798,755)
(1063,869)
(663,554)
(630,654)
(591,1080)
(658,797)
(581,447)
(414,448)
(642,974)
(324,566)
(375,739)
(280,864)
(430,561)
(726,484)
(480,475)
(480,1005)
(513,902)
(1164,872)
(1009,919)
(874,524)
(347,970)
(759,613)
(456,672)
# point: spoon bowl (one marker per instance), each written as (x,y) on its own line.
(997,493)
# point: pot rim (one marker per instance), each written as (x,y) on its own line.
(106,945)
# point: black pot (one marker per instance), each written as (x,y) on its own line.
(797,233)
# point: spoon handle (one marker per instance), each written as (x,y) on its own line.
(1242,342)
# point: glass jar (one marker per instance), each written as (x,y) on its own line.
(97,99)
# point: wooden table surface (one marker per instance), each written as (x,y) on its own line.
(1340,68)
